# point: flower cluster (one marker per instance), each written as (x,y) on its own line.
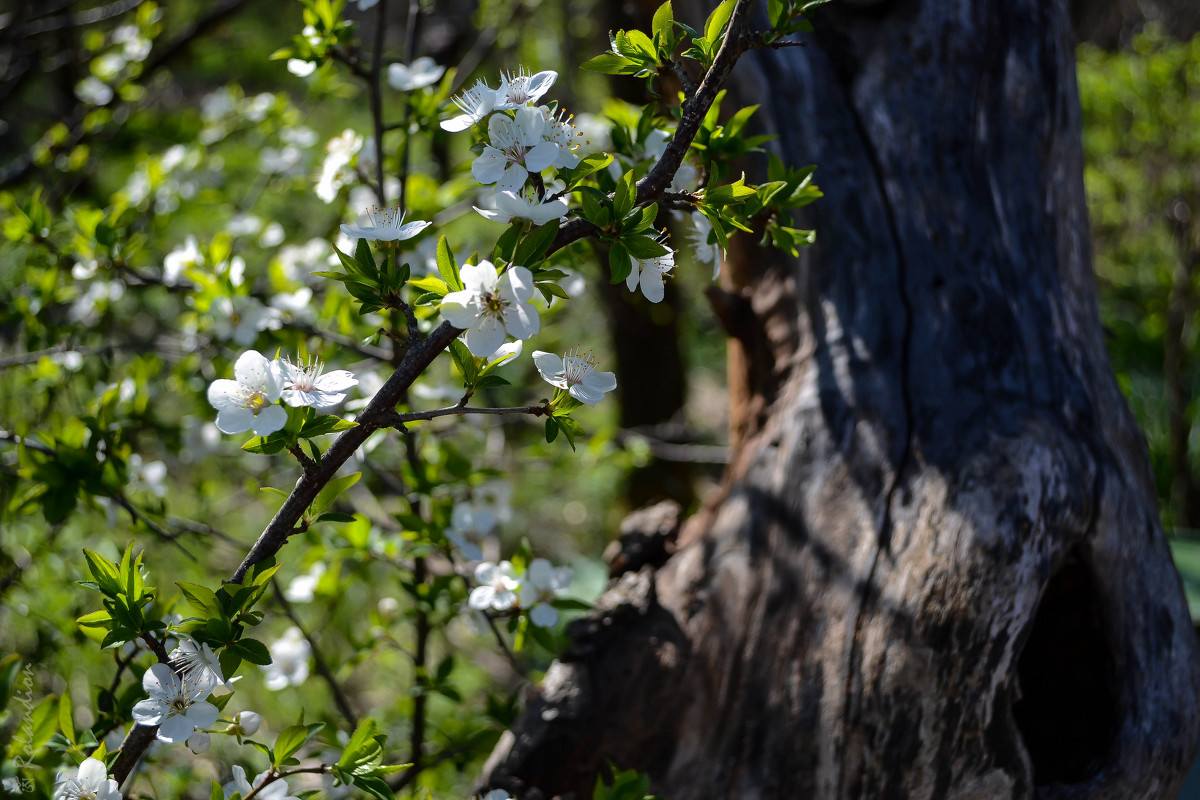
(250,401)
(492,305)
(501,588)
(528,141)
(177,701)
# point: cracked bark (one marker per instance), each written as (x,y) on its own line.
(937,569)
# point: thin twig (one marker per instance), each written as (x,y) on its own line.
(339,697)
(140,516)
(656,181)
(397,420)
(376,94)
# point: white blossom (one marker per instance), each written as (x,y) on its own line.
(517,148)
(422,72)
(492,305)
(301,68)
(289,660)
(199,742)
(469,527)
(519,205)
(176,704)
(497,587)
(385,225)
(305,385)
(540,585)
(336,172)
(91,782)
(249,401)
(706,251)
(197,662)
(239,318)
(496,794)
(302,587)
(558,131)
(576,373)
(475,104)
(247,723)
(522,89)
(181,259)
(648,274)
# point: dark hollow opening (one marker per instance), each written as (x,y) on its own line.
(1067,713)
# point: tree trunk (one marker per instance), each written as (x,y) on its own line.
(937,570)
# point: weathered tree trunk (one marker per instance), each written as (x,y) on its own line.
(937,570)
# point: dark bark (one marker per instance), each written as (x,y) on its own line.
(937,570)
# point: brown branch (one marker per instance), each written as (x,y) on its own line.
(656,181)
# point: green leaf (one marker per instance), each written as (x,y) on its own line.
(534,244)
(570,429)
(717,20)
(624,196)
(65,723)
(551,429)
(641,43)
(329,494)
(491,381)
(364,748)
(619,263)
(447,267)
(589,165)
(230,661)
(292,738)
(508,242)
(202,599)
(104,571)
(366,260)
(464,361)
(266,445)
(431,285)
(36,728)
(253,651)
(611,64)
(374,786)
(643,247)
(326,423)
(663,18)
(596,207)
(216,792)
(730,193)
(97,619)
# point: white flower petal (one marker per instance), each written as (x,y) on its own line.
(516,285)
(522,320)
(543,615)
(235,420)
(548,364)
(601,381)
(203,714)
(268,421)
(175,728)
(487,334)
(457,312)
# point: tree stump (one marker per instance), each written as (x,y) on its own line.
(937,569)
